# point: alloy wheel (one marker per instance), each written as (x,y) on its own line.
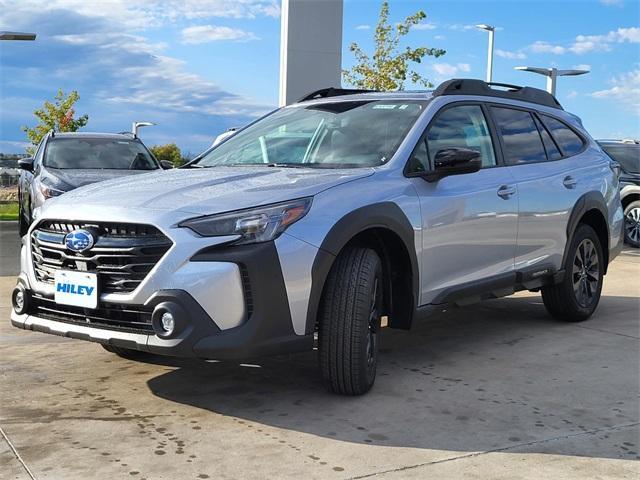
(586,273)
(632,225)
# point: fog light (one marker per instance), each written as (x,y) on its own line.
(20,300)
(168,322)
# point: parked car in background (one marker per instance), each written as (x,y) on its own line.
(64,161)
(627,154)
(310,225)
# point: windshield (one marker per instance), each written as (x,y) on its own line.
(627,156)
(328,135)
(98,153)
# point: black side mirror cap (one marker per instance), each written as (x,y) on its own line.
(166,164)
(454,161)
(26,164)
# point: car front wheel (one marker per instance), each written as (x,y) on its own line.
(349,322)
(632,224)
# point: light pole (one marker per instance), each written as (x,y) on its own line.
(552,75)
(17,36)
(491,30)
(136,125)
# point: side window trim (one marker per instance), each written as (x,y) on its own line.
(539,121)
(497,147)
(584,141)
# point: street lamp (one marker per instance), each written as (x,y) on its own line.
(552,75)
(491,30)
(17,36)
(136,125)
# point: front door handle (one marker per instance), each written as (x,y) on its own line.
(569,182)
(506,191)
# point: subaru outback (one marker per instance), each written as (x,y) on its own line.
(309,226)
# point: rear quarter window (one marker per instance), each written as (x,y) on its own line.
(569,141)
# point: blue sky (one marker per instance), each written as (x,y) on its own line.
(197,67)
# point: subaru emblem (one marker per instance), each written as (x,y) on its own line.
(79,240)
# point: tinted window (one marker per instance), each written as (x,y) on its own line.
(98,153)
(325,135)
(628,156)
(461,127)
(549,145)
(522,143)
(570,143)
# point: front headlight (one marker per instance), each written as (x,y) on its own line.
(48,191)
(254,225)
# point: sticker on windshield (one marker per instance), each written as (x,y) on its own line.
(384,106)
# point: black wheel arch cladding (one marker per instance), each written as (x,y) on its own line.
(586,204)
(385,216)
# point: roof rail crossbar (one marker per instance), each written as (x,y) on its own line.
(332,92)
(469,86)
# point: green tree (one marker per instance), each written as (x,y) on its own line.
(388,69)
(169,152)
(57,116)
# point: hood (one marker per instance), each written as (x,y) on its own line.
(69,179)
(212,190)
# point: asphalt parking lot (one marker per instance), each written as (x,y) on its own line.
(496,390)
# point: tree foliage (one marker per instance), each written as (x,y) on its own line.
(57,116)
(388,69)
(169,152)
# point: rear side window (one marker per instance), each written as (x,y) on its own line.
(549,145)
(520,136)
(569,141)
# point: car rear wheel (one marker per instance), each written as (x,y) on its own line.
(632,224)
(349,318)
(577,296)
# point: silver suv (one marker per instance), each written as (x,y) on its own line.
(316,222)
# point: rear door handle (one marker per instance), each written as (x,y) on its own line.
(569,182)
(506,191)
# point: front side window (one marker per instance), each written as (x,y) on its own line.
(520,136)
(570,143)
(98,154)
(361,133)
(463,126)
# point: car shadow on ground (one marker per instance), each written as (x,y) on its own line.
(494,375)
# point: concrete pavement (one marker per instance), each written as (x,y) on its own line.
(496,390)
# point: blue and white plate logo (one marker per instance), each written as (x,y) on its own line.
(79,240)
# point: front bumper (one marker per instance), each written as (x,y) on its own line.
(264,328)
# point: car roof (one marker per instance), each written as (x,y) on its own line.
(114,136)
(629,142)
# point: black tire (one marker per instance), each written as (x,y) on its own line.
(632,224)
(123,352)
(577,296)
(349,322)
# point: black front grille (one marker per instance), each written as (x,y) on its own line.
(113,316)
(122,256)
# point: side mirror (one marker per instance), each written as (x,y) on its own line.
(26,164)
(454,161)
(166,164)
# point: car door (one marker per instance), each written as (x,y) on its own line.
(469,221)
(548,180)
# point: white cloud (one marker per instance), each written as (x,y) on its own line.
(625,89)
(458,26)
(590,43)
(363,27)
(571,94)
(214,33)
(546,47)
(610,3)
(582,66)
(439,37)
(425,26)
(450,70)
(510,55)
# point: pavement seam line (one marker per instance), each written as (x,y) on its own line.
(17,455)
(607,331)
(497,450)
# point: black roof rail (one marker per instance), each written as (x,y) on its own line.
(332,92)
(470,86)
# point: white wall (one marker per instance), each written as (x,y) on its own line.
(310,47)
